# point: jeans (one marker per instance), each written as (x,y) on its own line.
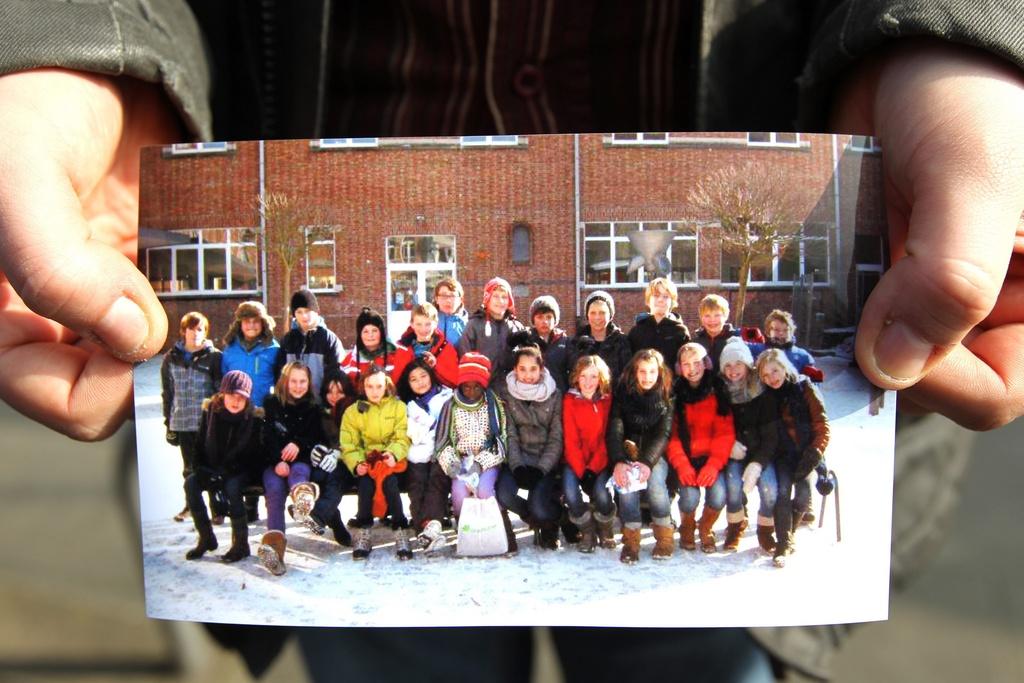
(276,489)
(202,480)
(657,498)
(733,473)
(714,497)
(768,491)
(540,505)
(367,489)
(599,494)
(794,496)
(484,489)
(333,486)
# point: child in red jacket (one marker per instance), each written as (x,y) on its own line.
(424,340)
(701,441)
(585,410)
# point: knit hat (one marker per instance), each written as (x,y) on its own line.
(304,299)
(475,367)
(543,304)
(503,283)
(600,295)
(369,316)
(236,382)
(735,349)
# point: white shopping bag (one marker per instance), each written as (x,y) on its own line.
(481,528)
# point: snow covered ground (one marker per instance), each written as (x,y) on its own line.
(824,582)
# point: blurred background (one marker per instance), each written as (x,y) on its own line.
(71,579)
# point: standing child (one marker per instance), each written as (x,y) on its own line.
(424,340)
(751,463)
(601,336)
(188,376)
(534,407)
(803,436)
(309,340)
(374,445)
(291,429)
(552,340)
(780,333)
(249,346)
(585,411)
(472,438)
(427,484)
(451,314)
(702,439)
(659,328)
(490,326)
(228,438)
(372,348)
(714,331)
(638,431)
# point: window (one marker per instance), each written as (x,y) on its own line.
(343,143)
(640,138)
(421,249)
(773,139)
(208,261)
(190,148)
(520,243)
(804,254)
(489,140)
(607,253)
(320,275)
(864,143)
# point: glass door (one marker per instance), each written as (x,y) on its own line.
(415,264)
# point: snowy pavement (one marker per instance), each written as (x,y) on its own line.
(324,587)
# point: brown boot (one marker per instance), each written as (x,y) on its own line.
(686,530)
(783,549)
(605,530)
(630,545)
(766,534)
(271,551)
(662,542)
(733,532)
(588,532)
(707,537)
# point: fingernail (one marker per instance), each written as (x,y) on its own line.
(124,328)
(900,353)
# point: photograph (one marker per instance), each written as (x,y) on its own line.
(590,380)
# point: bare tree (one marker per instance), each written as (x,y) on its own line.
(757,207)
(291,226)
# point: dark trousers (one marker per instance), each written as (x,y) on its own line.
(332,487)
(228,487)
(187,442)
(794,496)
(541,505)
(428,488)
(366,487)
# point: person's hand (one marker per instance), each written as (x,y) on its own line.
(362,468)
(290,452)
(172,437)
(389,460)
(282,469)
(75,312)
(739,451)
(429,359)
(643,472)
(750,476)
(707,476)
(620,473)
(944,324)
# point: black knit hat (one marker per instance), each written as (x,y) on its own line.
(304,299)
(369,316)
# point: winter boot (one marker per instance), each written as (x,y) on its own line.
(733,532)
(783,549)
(510,534)
(588,532)
(686,531)
(362,547)
(271,551)
(252,508)
(809,518)
(662,541)
(183,515)
(432,539)
(239,540)
(766,534)
(304,497)
(605,530)
(314,524)
(547,536)
(341,534)
(630,545)
(402,550)
(707,536)
(570,529)
(207,540)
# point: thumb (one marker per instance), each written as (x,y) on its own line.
(62,272)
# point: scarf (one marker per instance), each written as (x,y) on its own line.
(423,400)
(540,391)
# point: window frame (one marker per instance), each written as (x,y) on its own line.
(334,258)
(489,140)
(801,240)
(773,140)
(642,280)
(641,139)
(185,149)
(200,248)
(346,143)
(872,148)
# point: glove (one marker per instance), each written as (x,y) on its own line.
(172,438)
(527,477)
(587,480)
(317,453)
(688,477)
(739,451)
(750,476)
(707,476)
(752,335)
(808,461)
(826,480)
(329,461)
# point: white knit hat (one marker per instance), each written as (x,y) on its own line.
(736,350)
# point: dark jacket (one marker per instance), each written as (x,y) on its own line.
(284,423)
(614,349)
(319,348)
(665,337)
(556,356)
(534,430)
(186,384)
(714,346)
(645,419)
(228,443)
(803,426)
(756,424)
(490,338)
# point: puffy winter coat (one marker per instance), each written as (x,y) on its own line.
(186,384)
(614,349)
(319,348)
(556,356)
(258,361)
(534,430)
(229,443)
(666,336)
(714,346)
(447,368)
(798,356)
(803,426)
(297,423)
(452,326)
(757,427)
(584,426)
(645,419)
(490,338)
(702,428)
(355,364)
(422,423)
(369,427)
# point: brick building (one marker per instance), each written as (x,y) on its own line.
(549,213)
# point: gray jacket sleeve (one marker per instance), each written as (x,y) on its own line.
(157,41)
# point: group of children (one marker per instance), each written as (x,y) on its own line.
(567,433)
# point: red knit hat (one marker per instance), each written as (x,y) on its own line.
(475,367)
(494,283)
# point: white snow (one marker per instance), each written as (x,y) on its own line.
(324,587)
